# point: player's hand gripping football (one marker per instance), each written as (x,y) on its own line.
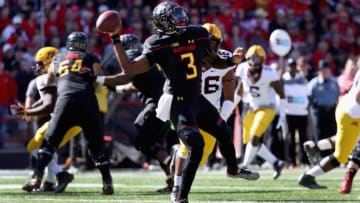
(238,55)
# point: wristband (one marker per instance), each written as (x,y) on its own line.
(100,79)
(115,38)
(237,98)
(226,109)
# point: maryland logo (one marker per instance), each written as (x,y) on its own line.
(175,44)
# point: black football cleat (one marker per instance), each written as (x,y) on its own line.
(242,173)
(48,187)
(108,188)
(64,178)
(181,201)
(32,185)
(278,167)
(309,182)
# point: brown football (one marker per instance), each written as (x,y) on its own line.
(108,22)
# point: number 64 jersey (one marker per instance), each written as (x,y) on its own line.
(258,94)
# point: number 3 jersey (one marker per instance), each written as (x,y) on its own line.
(212,80)
(258,94)
(73,70)
(181,59)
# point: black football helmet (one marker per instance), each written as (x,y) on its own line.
(169,18)
(132,45)
(77,41)
(130,41)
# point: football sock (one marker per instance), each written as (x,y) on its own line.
(324,144)
(266,154)
(315,171)
(177,180)
(250,153)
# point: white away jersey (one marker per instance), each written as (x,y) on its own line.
(211,86)
(257,94)
(41,84)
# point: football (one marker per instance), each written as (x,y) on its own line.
(108,22)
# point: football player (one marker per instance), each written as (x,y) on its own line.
(43,107)
(214,83)
(313,149)
(256,81)
(348,129)
(151,131)
(180,50)
(73,71)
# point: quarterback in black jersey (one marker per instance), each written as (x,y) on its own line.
(76,105)
(151,131)
(180,50)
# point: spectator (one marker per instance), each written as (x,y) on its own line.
(324,96)
(8,94)
(297,93)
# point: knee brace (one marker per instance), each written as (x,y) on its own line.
(334,162)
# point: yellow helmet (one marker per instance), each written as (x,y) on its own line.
(43,58)
(255,50)
(255,57)
(213,30)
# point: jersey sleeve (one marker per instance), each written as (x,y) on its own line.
(202,36)
(31,90)
(148,51)
(239,69)
(273,75)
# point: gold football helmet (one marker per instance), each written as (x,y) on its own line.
(43,58)
(255,57)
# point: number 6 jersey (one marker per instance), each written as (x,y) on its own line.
(258,94)
(212,80)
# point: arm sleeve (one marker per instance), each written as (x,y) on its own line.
(31,90)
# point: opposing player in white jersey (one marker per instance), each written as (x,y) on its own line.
(44,106)
(348,129)
(255,84)
(215,82)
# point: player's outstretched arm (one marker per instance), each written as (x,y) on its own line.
(114,80)
(217,62)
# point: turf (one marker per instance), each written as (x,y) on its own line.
(209,186)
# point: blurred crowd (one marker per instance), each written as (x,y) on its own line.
(321,30)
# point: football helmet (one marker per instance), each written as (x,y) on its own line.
(77,41)
(213,30)
(130,41)
(169,18)
(255,57)
(215,35)
(43,59)
(132,45)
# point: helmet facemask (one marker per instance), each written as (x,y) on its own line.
(256,63)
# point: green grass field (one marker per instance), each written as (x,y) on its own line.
(209,186)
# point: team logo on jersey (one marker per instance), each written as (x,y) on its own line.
(175,44)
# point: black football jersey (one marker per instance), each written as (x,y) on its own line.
(181,58)
(150,84)
(68,68)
